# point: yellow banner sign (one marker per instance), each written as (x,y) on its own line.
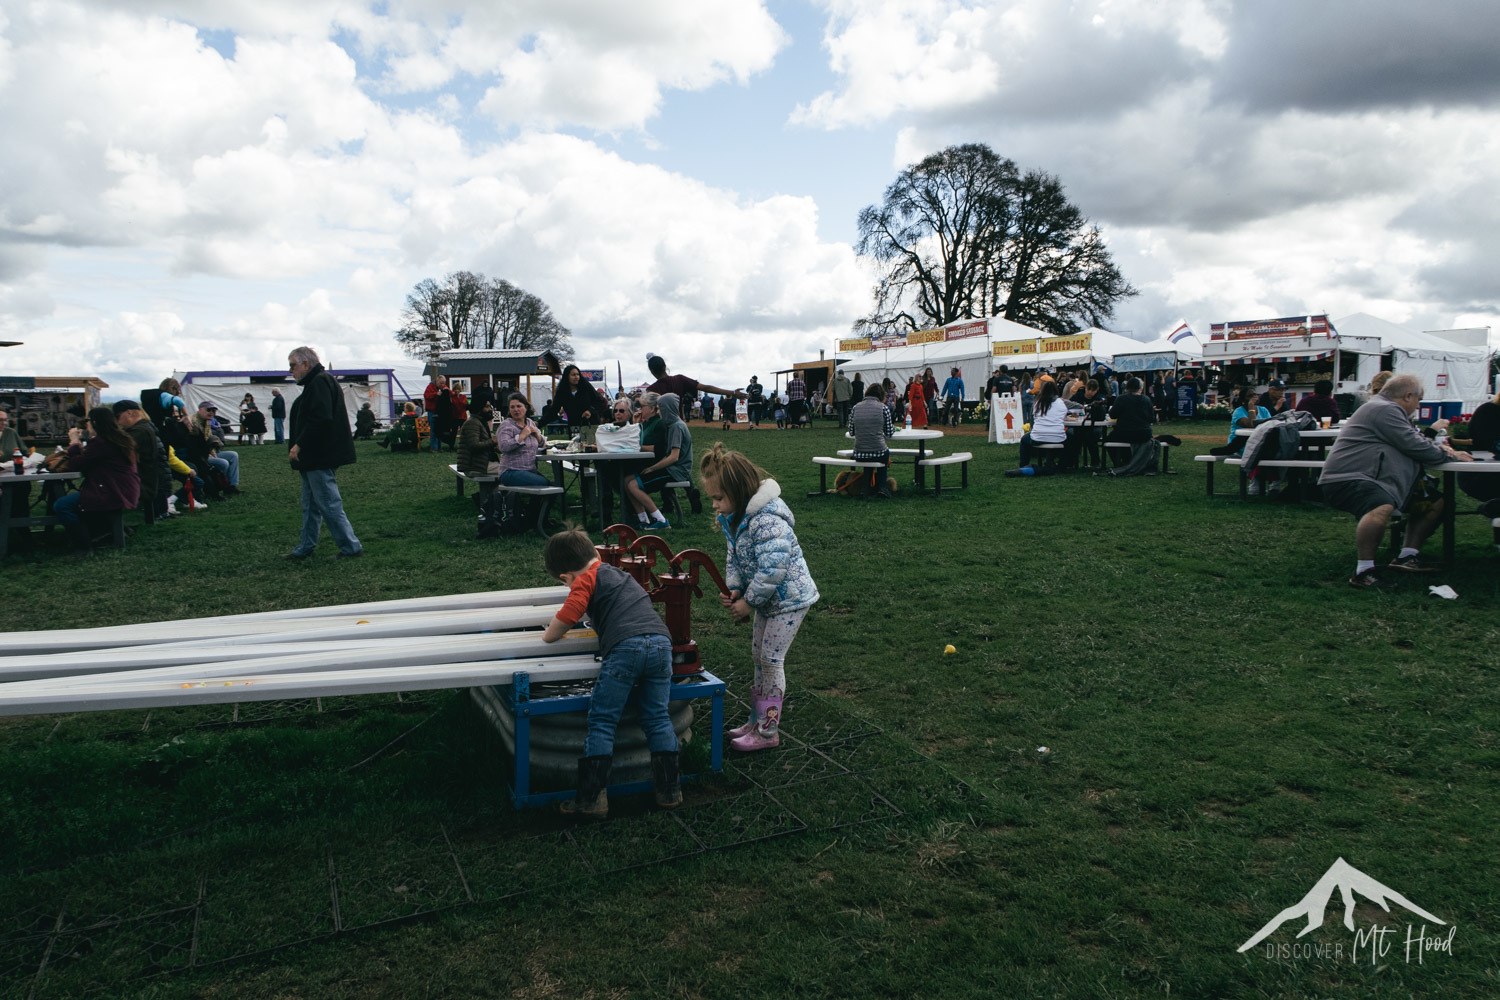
(857,344)
(924,337)
(1072,342)
(1007,348)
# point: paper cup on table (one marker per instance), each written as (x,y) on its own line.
(1327,422)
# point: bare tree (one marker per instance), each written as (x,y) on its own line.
(963,234)
(470,310)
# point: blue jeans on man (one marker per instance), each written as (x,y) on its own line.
(227,462)
(279,424)
(322,504)
(639,667)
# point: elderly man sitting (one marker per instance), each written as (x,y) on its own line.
(1370,472)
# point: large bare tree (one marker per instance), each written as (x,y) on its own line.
(964,235)
(471,310)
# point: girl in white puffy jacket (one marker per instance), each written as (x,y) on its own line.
(767,577)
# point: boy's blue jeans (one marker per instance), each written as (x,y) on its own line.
(641,665)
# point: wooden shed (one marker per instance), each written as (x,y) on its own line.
(503,371)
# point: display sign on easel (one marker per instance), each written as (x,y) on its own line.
(1005,419)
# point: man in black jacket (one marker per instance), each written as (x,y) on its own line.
(320,442)
(278,415)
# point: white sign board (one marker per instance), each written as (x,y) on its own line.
(1005,419)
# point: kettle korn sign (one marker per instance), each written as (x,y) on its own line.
(1413,941)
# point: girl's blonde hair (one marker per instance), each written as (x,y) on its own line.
(736,476)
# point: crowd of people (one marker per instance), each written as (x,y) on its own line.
(161,456)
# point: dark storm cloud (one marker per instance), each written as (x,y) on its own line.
(1348,55)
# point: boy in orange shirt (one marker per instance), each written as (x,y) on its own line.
(636,649)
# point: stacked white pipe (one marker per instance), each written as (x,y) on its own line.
(420,644)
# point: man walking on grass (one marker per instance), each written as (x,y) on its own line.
(1370,472)
(320,442)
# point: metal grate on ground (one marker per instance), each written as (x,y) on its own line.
(833,771)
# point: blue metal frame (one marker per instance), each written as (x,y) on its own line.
(524,708)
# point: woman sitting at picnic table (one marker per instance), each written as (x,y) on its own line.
(1247,413)
(870,423)
(916,403)
(110,479)
(622,433)
(519,440)
(1047,426)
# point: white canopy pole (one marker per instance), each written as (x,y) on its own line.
(121,694)
(140,663)
(348,626)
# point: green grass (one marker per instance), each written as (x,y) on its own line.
(1226,718)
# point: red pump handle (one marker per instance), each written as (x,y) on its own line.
(697,559)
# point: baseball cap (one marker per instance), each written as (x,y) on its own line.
(1276,383)
(208,406)
(122,405)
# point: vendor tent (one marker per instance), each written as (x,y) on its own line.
(1158,355)
(1447,370)
(970,356)
(975,357)
(225,389)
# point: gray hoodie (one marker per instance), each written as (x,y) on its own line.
(1379,444)
(677,436)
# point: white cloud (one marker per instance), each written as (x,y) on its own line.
(254,202)
(1179,126)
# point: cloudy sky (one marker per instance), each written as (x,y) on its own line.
(204,184)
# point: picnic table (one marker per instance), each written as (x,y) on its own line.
(921,437)
(618,461)
(1450,471)
(54,485)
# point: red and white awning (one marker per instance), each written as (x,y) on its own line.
(1277,359)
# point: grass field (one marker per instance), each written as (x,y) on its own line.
(1226,719)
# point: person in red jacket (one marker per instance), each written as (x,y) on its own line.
(436,401)
(110,478)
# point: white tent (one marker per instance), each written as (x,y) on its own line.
(225,389)
(970,356)
(1448,371)
(975,360)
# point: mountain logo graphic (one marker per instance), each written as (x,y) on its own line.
(1348,880)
